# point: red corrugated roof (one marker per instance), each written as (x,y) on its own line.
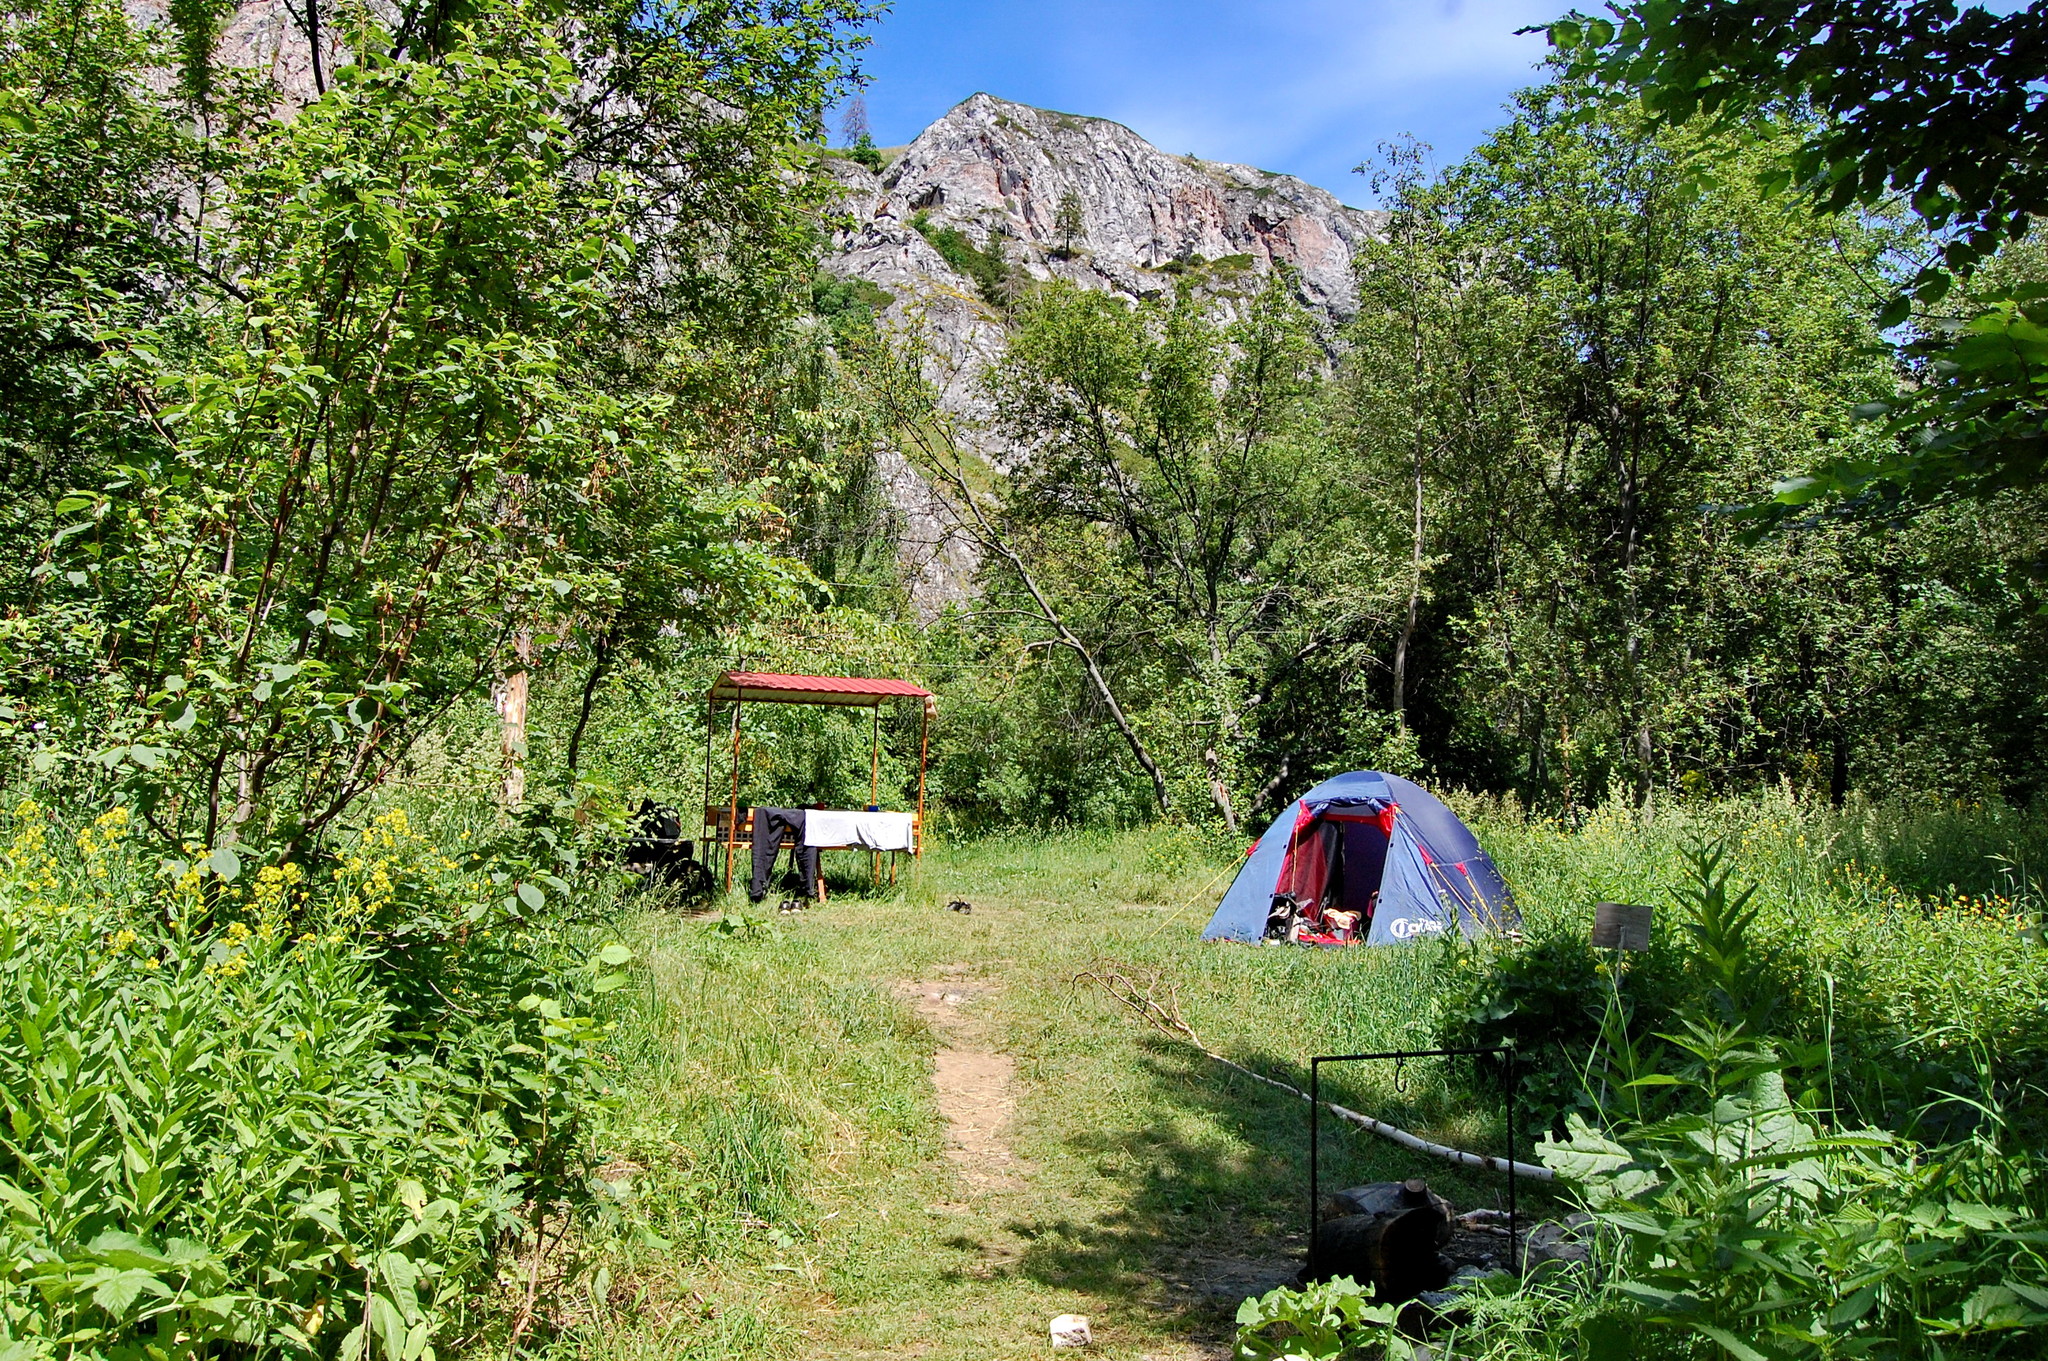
(777,688)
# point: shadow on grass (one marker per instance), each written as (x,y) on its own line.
(1198,1223)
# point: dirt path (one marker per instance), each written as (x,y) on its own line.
(977,1094)
(1075,1169)
(976,1085)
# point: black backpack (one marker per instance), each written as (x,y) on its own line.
(1280,916)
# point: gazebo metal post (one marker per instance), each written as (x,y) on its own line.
(732,826)
(924,747)
(875,786)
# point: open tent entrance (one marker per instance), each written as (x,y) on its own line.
(1336,861)
(1364,857)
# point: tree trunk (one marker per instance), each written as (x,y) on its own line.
(511,698)
(1632,626)
(1407,637)
(1226,713)
(965,509)
(1418,424)
(600,664)
(1220,791)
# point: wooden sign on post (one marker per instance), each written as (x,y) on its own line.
(1621,926)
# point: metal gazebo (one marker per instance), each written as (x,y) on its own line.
(723,824)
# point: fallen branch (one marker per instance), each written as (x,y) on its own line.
(1166,1016)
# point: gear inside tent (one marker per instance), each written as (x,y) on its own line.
(1364,857)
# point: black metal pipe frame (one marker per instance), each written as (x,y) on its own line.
(1315,1110)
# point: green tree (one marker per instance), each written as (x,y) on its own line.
(1570,352)
(426,431)
(1929,106)
(1070,222)
(1178,445)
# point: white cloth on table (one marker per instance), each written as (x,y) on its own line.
(876,831)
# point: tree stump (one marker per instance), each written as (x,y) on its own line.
(1390,1241)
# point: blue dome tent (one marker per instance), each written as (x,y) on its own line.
(1373,844)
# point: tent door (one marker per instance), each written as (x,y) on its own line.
(1338,860)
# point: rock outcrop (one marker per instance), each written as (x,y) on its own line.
(996,173)
(997,170)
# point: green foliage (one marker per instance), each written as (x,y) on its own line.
(1165,500)
(987,265)
(407,412)
(848,303)
(227,1127)
(1069,221)
(1972,427)
(864,152)
(1865,917)
(1888,131)
(1548,999)
(1892,134)
(1321,1322)
(1739,1215)
(1547,384)
(1481,549)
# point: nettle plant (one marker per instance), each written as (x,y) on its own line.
(1755,1222)
(235,1121)
(1319,1322)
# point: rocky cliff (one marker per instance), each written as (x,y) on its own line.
(987,181)
(998,172)
(959,221)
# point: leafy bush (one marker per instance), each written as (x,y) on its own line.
(1317,1323)
(1765,1226)
(863,152)
(223,1127)
(846,303)
(1546,998)
(989,266)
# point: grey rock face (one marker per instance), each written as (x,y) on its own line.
(1563,1247)
(993,167)
(264,38)
(997,172)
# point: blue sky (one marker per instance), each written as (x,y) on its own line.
(1308,87)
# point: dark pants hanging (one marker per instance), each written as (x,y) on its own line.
(769,826)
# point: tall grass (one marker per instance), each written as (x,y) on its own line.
(779,1135)
(1904,935)
(756,1086)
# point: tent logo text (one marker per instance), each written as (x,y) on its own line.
(1413,926)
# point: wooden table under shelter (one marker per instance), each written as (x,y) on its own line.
(730,826)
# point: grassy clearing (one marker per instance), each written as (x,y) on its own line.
(795,1165)
(1156,1189)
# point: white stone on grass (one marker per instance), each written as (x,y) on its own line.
(1071,1330)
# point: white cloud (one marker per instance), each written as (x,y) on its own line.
(1315,71)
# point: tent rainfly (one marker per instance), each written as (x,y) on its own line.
(1376,845)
